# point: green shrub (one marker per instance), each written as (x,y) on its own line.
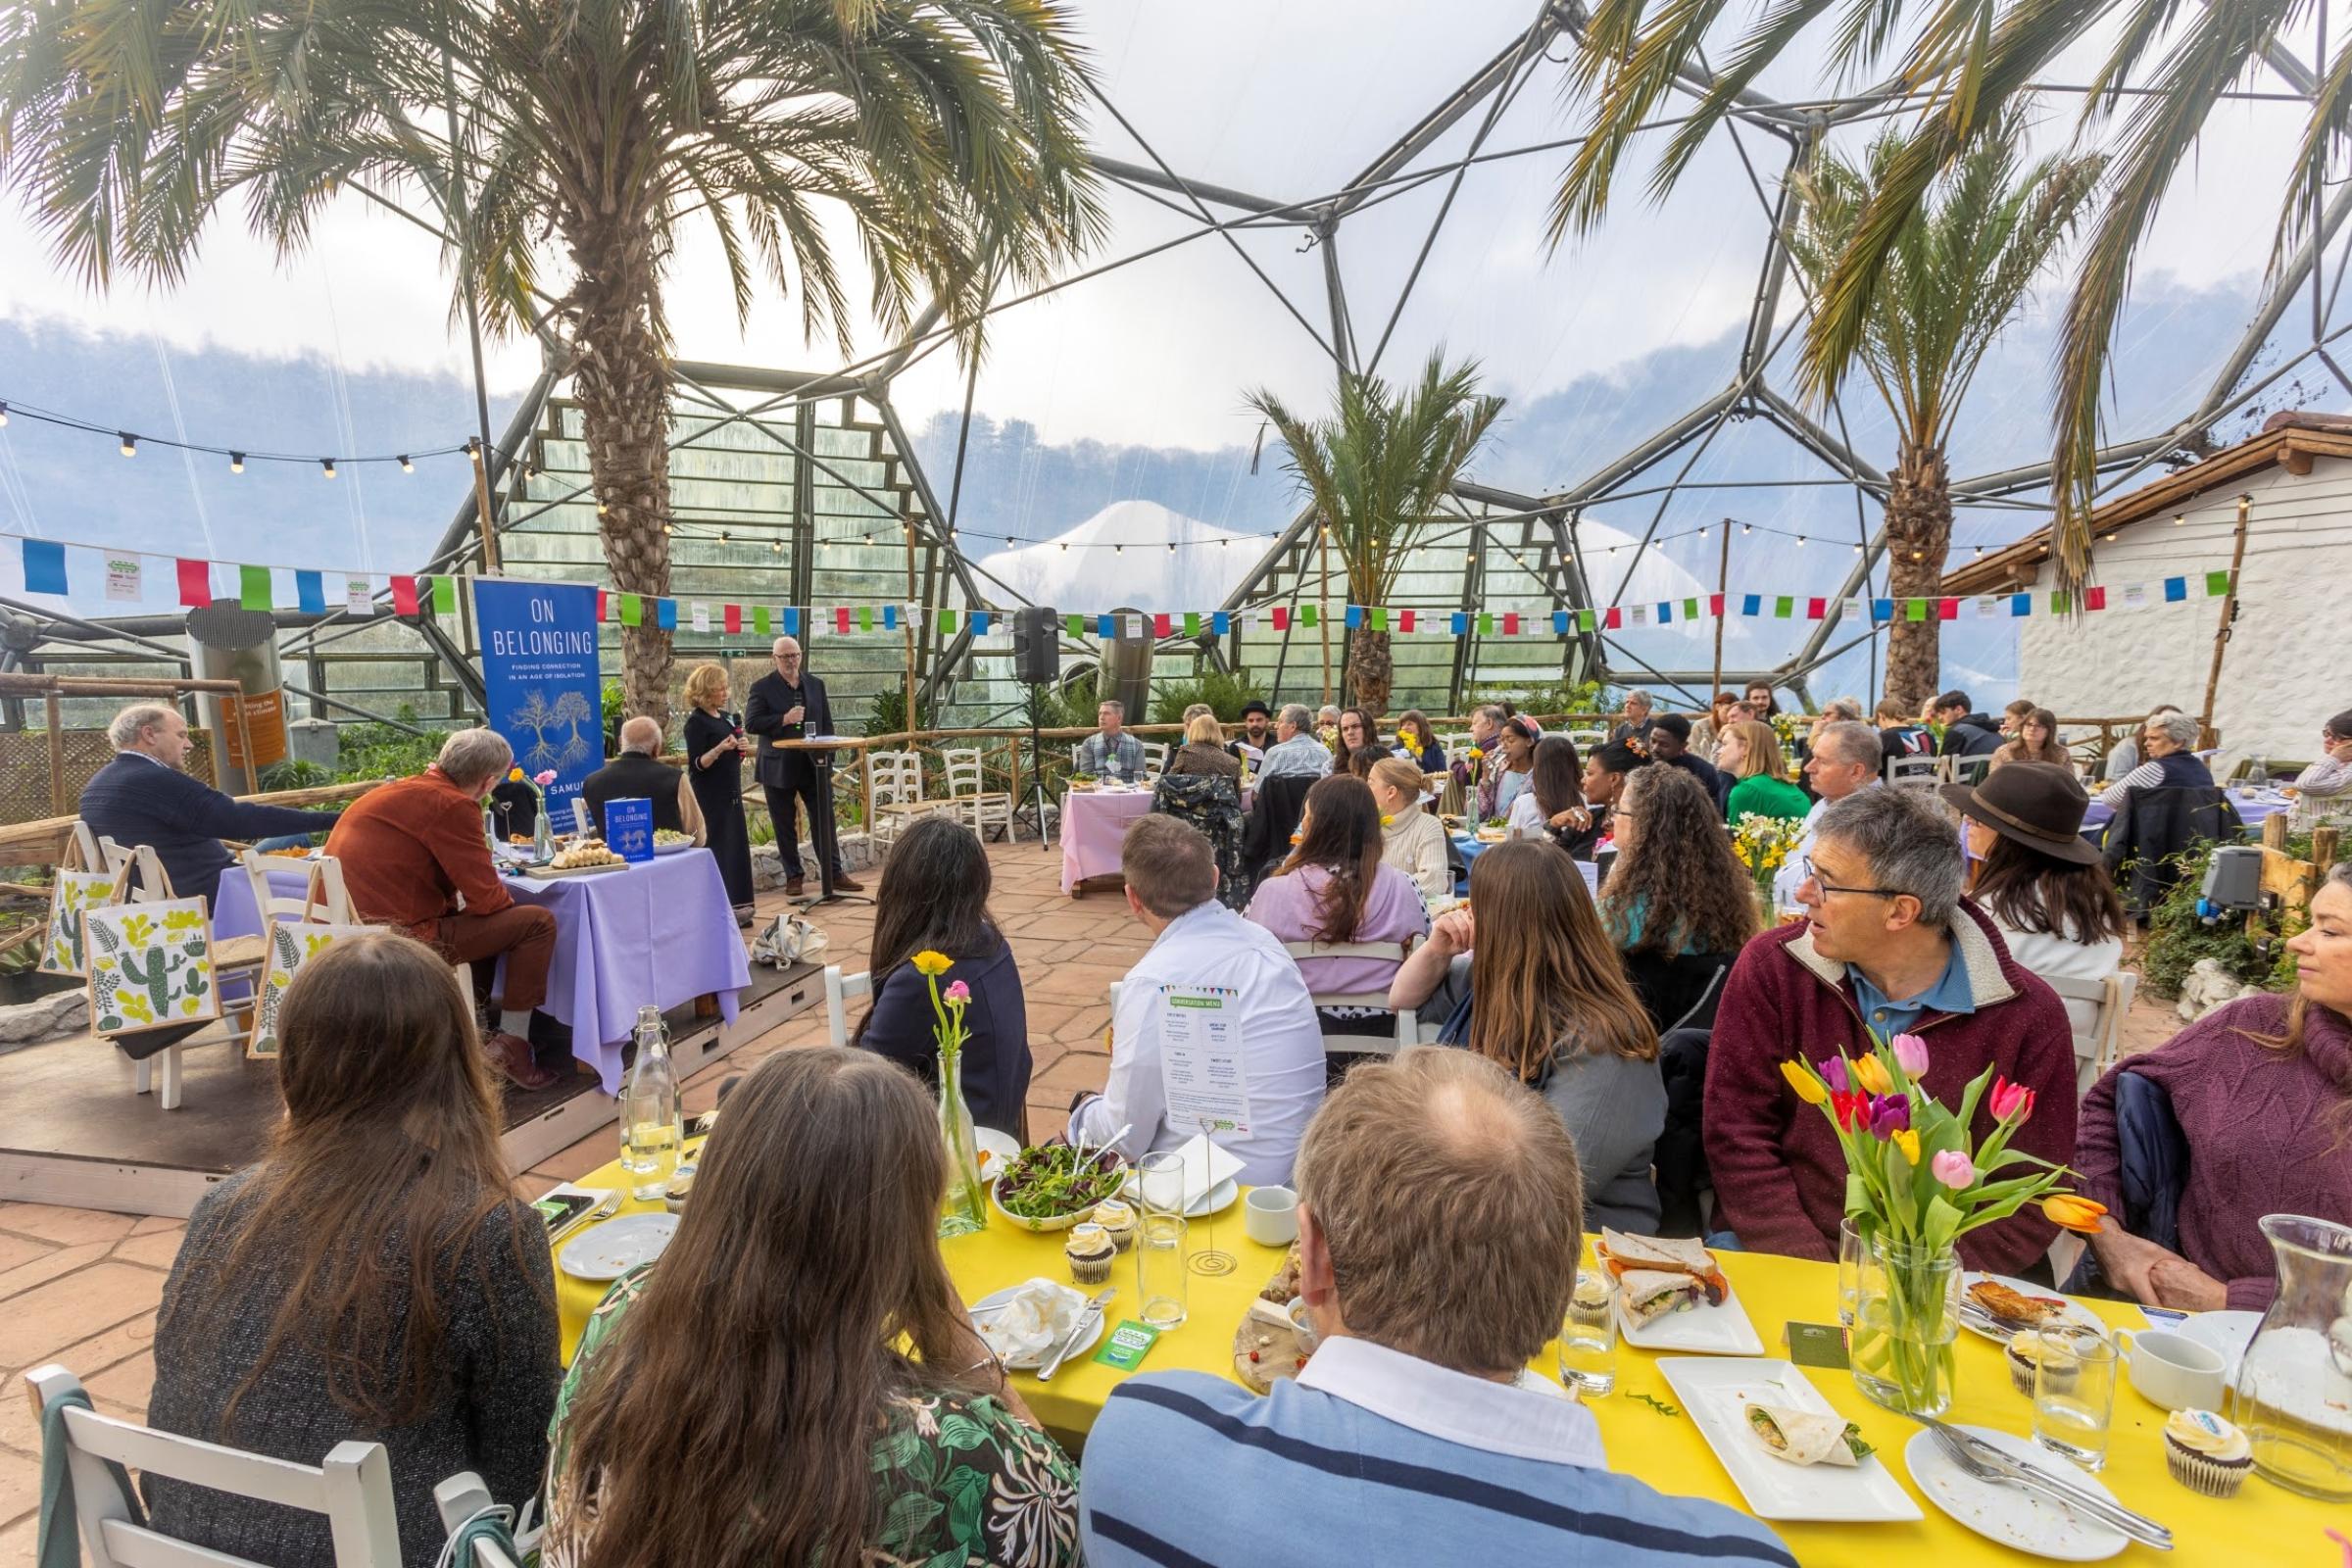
(382,750)
(2178,939)
(294,774)
(1224,691)
(1542,697)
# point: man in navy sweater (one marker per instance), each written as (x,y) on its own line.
(142,796)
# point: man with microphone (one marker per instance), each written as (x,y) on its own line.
(788,704)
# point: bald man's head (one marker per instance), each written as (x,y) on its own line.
(642,736)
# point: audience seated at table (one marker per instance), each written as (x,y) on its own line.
(1606,768)
(1670,744)
(1965,732)
(1295,749)
(1196,941)
(1438,1243)
(2262,1090)
(1327,728)
(372,1277)
(1633,722)
(413,847)
(1532,984)
(2167,760)
(1749,753)
(796,1381)
(2123,756)
(1675,886)
(1203,750)
(934,899)
(1509,764)
(1336,887)
(1845,757)
(141,797)
(638,773)
(2044,887)
(1552,806)
(1359,733)
(1417,743)
(1890,947)
(1900,734)
(1486,738)
(1412,840)
(2326,782)
(2014,715)
(1257,732)
(2034,738)
(1110,752)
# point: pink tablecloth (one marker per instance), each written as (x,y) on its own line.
(1093,827)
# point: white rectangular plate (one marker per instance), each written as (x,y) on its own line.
(1716,1392)
(1708,1330)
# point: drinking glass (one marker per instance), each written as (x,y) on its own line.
(1849,1269)
(1588,1337)
(2073,1394)
(1160,1264)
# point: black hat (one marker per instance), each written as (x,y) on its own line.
(1254,705)
(2039,805)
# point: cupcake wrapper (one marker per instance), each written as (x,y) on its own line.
(1092,1270)
(2206,1477)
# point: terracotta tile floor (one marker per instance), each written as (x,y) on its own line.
(81,1287)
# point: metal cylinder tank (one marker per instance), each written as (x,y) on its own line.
(240,645)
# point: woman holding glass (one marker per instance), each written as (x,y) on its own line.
(714,753)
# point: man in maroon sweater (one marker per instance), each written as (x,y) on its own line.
(1889,947)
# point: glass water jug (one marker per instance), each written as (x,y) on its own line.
(2293,1389)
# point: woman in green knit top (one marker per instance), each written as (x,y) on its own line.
(1751,753)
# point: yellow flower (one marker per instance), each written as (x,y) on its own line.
(1809,1089)
(1908,1141)
(933,964)
(2074,1212)
(1476,754)
(1870,1073)
(1386,820)
(514,774)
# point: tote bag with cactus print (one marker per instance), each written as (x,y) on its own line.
(151,966)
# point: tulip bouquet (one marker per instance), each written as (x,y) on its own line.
(965,1206)
(1916,1182)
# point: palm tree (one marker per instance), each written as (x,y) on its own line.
(1968,65)
(946,132)
(1958,272)
(1375,474)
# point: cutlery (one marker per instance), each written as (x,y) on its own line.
(601,1211)
(1092,1311)
(1986,1462)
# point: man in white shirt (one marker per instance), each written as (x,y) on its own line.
(1197,943)
(1846,758)
(1294,750)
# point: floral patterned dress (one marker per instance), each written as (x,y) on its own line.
(958,1482)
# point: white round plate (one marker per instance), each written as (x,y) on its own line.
(2076,1313)
(2224,1332)
(1029,1363)
(611,1249)
(997,1149)
(674,849)
(2011,1516)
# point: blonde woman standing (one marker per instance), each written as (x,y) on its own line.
(714,753)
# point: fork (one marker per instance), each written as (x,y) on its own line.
(1984,1462)
(597,1215)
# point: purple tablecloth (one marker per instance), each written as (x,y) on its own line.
(234,911)
(1470,848)
(660,934)
(1093,827)
(2253,807)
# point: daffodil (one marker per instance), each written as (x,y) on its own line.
(1809,1089)
(932,964)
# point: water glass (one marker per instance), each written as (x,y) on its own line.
(1849,1269)
(2073,1394)
(1162,1263)
(1589,1336)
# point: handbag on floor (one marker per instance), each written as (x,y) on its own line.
(788,940)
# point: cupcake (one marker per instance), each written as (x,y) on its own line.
(1118,1219)
(2024,1355)
(1089,1249)
(2206,1453)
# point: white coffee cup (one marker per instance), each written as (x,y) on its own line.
(1270,1216)
(2172,1370)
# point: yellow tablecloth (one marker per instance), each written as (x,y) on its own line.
(2262,1524)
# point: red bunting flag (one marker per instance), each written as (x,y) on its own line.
(1162,626)
(1715,604)
(1282,618)
(841,619)
(195,582)
(2094,599)
(733,619)
(601,598)
(1816,609)
(1510,624)
(1947,610)
(1405,621)
(403,596)
(1615,619)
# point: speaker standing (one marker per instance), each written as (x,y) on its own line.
(789,704)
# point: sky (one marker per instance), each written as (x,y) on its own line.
(1129,386)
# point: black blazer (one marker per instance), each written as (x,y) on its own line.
(763,715)
(995,1059)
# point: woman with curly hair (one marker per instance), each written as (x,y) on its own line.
(1675,886)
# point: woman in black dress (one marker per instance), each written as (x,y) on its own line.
(715,752)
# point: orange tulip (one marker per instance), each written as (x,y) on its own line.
(2074,1212)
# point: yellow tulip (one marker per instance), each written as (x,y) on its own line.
(1908,1141)
(1809,1089)
(1871,1074)
(2074,1212)
(933,964)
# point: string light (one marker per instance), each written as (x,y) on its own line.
(130,444)
(775,547)
(1747,529)
(2179,517)
(405,466)
(3,413)
(127,441)
(327,465)
(236,463)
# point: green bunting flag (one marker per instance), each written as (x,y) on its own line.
(1586,621)
(253,585)
(1380,618)
(2061,602)
(445,596)
(2217,583)
(1308,616)
(865,617)
(759,619)
(1075,625)
(947,621)
(1191,624)
(1690,610)
(1784,606)
(1915,610)
(1485,623)
(632,610)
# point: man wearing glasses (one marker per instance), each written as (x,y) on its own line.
(1888,947)
(2325,787)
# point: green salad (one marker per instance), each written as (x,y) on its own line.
(1040,1184)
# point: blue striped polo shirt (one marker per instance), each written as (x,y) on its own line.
(1373,1458)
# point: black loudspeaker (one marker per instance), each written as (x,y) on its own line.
(1036,646)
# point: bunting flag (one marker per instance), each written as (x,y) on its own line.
(1107,627)
(126,577)
(403,596)
(1751,605)
(632,610)
(1510,624)
(666,613)
(1220,622)
(1559,622)
(890,619)
(1308,617)
(1191,624)
(1353,617)
(359,596)
(702,616)
(1817,610)
(759,621)
(45,567)
(1075,625)
(310,593)
(792,620)
(1485,623)
(1162,626)
(196,585)
(981,621)
(445,596)
(1405,621)
(1784,606)
(1462,623)
(1282,618)
(865,617)
(733,619)
(1947,610)
(841,620)
(603,607)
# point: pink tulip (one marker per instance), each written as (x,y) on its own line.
(958,993)
(1912,1053)
(544,779)
(1953,1167)
(2011,1102)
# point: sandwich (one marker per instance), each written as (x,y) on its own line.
(1650,1293)
(1804,1437)
(1626,1255)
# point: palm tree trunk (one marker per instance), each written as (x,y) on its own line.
(1919,530)
(1371,672)
(622,382)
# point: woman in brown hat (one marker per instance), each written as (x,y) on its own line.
(2044,885)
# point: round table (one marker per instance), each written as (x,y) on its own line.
(1094,829)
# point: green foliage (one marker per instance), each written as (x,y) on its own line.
(617,708)
(2178,939)
(886,712)
(1072,707)
(1224,691)
(294,774)
(382,750)
(1542,697)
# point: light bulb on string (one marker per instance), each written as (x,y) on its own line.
(1747,529)
(130,444)
(236,463)
(327,465)
(3,413)
(2179,517)
(775,547)
(405,466)
(1800,541)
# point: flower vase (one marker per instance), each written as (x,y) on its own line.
(1759,892)
(1906,1316)
(964,1209)
(543,837)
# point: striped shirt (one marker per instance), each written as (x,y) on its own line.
(1373,1458)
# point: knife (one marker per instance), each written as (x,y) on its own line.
(1092,1311)
(2138,1527)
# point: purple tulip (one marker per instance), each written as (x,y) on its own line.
(1911,1053)
(1833,1073)
(1890,1115)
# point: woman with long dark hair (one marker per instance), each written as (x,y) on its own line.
(794,1381)
(2036,741)
(1531,982)
(371,1276)
(1554,798)
(1418,741)
(934,899)
(1510,764)
(1335,887)
(2046,889)
(1675,886)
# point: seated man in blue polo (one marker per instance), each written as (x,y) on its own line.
(1446,1195)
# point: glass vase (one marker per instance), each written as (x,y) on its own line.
(1906,1316)
(542,836)
(964,1209)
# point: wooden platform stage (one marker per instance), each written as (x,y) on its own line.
(75,1134)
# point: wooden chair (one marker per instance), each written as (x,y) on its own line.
(839,990)
(461,1500)
(237,958)
(334,908)
(1914,772)
(2097,1048)
(1586,739)
(1407,1030)
(352,1487)
(974,804)
(1155,759)
(898,789)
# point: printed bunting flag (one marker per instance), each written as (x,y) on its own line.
(2135,595)
(1638,614)
(359,596)
(1990,605)
(702,616)
(126,577)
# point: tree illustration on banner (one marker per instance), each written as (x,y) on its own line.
(537,716)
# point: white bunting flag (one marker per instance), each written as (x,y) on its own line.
(1857,609)
(359,595)
(123,574)
(1990,605)
(2135,595)
(1638,614)
(702,616)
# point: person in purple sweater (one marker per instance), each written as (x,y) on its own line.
(1334,888)
(2263,1092)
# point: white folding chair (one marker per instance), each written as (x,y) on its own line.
(1155,759)
(1407,1031)
(352,1488)
(897,786)
(974,804)
(839,990)
(1456,747)
(461,1500)
(1586,739)
(1914,772)
(2097,1048)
